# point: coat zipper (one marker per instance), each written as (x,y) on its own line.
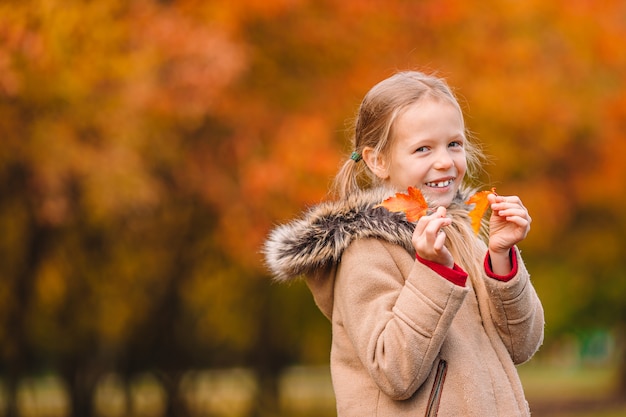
(435,393)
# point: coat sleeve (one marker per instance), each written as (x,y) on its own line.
(517,313)
(396,313)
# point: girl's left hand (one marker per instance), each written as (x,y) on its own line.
(509,223)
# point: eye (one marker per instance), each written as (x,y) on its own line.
(455,144)
(421,149)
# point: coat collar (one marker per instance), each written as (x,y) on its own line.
(318,238)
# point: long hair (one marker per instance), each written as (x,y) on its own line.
(465,247)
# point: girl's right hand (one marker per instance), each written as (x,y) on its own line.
(429,238)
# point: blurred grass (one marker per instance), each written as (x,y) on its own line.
(555,391)
(543,383)
(572,391)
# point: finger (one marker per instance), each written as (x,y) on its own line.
(512,204)
(501,202)
(518,221)
(493,198)
(426,222)
(434,227)
(431,242)
(512,211)
(440,240)
(441,211)
(421,224)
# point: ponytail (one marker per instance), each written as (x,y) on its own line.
(350,176)
(462,243)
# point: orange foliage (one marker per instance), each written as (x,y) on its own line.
(481,204)
(412,204)
(148,142)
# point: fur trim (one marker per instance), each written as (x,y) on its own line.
(320,236)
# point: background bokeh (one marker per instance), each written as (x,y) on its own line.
(147,147)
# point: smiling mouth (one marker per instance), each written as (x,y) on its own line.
(440,184)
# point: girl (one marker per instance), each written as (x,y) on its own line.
(427,318)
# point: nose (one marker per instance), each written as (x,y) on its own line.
(443,160)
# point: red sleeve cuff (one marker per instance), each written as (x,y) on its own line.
(455,274)
(503,278)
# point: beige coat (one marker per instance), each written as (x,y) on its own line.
(406,341)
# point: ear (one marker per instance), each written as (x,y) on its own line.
(375,162)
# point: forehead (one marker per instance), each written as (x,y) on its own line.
(428,114)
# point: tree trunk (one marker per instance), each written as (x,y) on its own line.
(267,404)
(267,361)
(82,382)
(11,409)
(175,403)
(20,355)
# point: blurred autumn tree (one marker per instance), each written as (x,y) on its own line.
(148,146)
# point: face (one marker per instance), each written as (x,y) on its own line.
(427,151)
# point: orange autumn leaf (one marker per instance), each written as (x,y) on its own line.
(413,204)
(481,204)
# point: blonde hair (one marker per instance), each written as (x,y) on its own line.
(375,118)
(461,240)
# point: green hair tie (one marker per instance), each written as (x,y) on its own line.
(356,157)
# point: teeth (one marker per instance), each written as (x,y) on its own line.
(439,184)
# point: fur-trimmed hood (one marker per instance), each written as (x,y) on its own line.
(318,238)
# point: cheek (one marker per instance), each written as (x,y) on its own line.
(420,173)
(461,165)
(416,175)
(462,172)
